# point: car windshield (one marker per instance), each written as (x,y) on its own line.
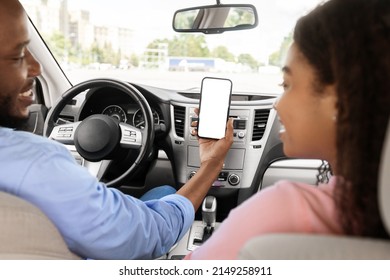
(136,42)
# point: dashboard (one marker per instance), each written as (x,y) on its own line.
(256,142)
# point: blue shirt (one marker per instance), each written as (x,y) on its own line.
(96,222)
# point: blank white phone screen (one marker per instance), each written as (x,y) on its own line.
(214,107)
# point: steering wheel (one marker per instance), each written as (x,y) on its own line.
(99,138)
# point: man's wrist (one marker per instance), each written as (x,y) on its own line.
(212,165)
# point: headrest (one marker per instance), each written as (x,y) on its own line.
(384,181)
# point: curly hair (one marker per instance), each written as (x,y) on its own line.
(347,42)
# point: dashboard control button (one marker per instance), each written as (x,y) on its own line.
(233,179)
(241,134)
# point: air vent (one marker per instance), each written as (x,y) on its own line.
(261,118)
(179,116)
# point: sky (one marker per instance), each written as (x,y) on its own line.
(276,20)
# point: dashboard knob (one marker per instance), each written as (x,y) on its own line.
(233,179)
(241,134)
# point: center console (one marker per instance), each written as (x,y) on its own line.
(252,125)
(255,126)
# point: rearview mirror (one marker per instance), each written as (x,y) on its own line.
(215,18)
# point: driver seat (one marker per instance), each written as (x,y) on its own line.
(27,233)
(327,247)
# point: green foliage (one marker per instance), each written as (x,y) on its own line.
(104,54)
(64,51)
(277,57)
(134,60)
(239,17)
(249,60)
(223,53)
(58,45)
(185,20)
(190,45)
(183,45)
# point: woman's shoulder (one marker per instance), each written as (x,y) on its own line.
(292,196)
(299,188)
(314,204)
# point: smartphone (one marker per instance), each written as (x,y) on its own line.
(214,107)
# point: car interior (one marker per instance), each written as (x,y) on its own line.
(150,144)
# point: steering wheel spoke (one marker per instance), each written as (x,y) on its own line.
(97,169)
(64,133)
(131,137)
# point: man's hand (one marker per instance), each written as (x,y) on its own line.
(212,155)
(214,150)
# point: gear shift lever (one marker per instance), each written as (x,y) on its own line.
(209,211)
(209,215)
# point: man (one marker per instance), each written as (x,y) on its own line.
(96,222)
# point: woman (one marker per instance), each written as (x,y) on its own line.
(335,106)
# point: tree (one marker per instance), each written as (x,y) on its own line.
(105,54)
(223,53)
(134,60)
(277,57)
(60,47)
(188,45)
(247,59)
(96,53)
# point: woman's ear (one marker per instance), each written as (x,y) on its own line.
(329,99)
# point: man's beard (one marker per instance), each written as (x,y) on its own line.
(6,120)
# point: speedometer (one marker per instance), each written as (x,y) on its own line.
(115,112)
(139,120)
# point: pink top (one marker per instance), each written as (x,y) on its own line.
(284,207)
